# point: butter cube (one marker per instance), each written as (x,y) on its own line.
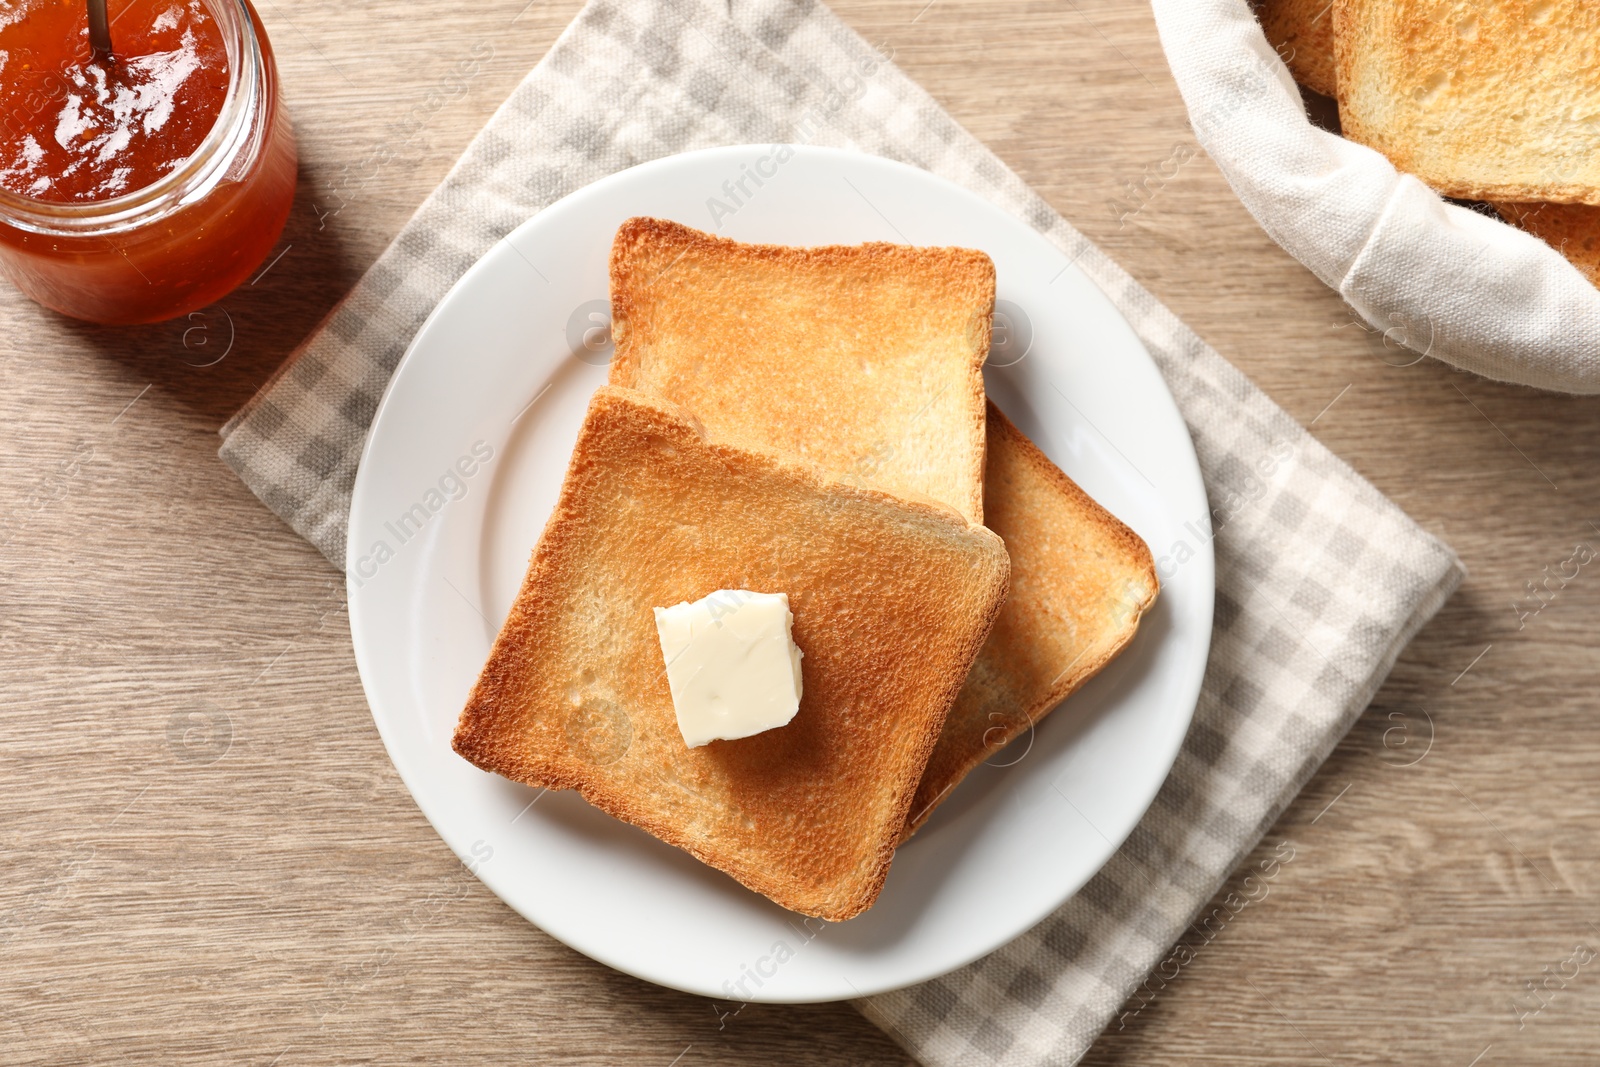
(732,664)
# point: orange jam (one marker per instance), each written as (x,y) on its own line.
(143,185)
(77,128)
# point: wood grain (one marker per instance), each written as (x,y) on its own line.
(208,857)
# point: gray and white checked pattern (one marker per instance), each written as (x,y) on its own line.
(1321,581)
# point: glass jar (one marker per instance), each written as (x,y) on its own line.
(187,238)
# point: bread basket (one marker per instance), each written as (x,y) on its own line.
(1438,277)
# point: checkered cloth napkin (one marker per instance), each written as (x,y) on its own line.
(1321,580)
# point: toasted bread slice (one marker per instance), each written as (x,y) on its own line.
(864,359)
(1080,582)
(1571,229)
(1489,101)
(891,599)
(1302,33)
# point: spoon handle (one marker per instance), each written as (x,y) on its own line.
(99,29)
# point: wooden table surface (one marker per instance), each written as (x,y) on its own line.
(208,858)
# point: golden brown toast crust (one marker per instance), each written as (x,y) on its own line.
(1080,581)
(864,359)
(891,601)
(1571,229)
(1485,101)
(1302,33)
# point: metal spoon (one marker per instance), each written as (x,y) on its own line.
(99,30)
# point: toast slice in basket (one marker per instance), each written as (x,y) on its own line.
(1490,101)
(891,599)
(1302,33)
(1080,582)
(864,359)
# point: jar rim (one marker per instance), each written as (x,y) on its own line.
(195,176)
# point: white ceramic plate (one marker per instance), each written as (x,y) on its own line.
(462,468)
